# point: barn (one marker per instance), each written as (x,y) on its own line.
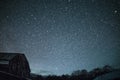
(14,63)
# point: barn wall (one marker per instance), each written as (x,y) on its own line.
(19,66)
(4,67)
(25,67)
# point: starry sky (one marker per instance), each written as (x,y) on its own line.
(60,36)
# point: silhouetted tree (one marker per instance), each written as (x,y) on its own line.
(75,73)
(107,69)
(95,72)
(80,75)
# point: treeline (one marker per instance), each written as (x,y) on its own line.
(78,74)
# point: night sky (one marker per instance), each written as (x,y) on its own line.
(60,36)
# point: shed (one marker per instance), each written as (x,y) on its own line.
(14,63)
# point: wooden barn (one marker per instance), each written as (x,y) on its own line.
(14,63)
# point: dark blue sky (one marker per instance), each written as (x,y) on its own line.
(60,36)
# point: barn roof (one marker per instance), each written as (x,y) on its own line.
(6,57)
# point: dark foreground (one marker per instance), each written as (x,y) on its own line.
(7,76)
(79,77)
(105,73)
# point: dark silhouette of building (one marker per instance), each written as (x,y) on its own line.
(14,63)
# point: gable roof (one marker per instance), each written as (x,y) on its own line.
(6,57)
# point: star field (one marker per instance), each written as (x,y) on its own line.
(60,36)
